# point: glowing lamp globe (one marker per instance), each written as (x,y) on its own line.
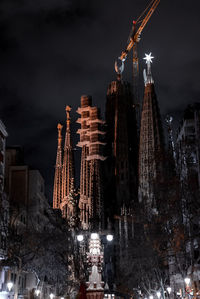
(80,238)
(187,280)
(9,285)
(169,290)
(151,297)
(51,296)
(109,238)
(37,292)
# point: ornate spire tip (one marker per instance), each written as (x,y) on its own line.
(148,58)
(59,126)
(68,108)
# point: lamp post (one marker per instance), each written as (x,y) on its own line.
(109,295)
(158,293)
(169,289)
(37,292)
(109,237)
(80,238)
(51,296)
(9,286)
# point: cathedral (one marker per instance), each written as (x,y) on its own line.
(128,182)
(119,169)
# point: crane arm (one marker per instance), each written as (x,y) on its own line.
(136,35)
(146,19)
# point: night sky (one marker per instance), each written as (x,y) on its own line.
(53,51)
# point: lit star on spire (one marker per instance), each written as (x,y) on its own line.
(148,58)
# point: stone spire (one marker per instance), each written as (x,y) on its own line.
(96,157)
(91,193)
(57,192)
(151,148)
(68,187)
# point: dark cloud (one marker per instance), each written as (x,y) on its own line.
(52,51)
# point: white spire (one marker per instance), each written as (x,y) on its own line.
(148,79)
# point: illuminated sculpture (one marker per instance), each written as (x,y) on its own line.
(95,284)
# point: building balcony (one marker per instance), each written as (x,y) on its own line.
(80,110)
(96,157)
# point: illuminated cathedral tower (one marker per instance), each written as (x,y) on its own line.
(57,192)
(151,148)
(121,148)
(68,202)
(91,193)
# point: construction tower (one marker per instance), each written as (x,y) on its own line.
(91,142)
(121,148)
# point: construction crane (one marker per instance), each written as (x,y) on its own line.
(134,38)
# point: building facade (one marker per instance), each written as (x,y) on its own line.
(4,211)
(29,219)
(188,168)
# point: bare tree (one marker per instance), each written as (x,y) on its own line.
(44,252)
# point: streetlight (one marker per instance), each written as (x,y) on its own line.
(187,281)
(9,285)
(158,294)
(169,289)
(37,292)
(80,238)
(109,237)
(51,296)
(150,297)
(109,295)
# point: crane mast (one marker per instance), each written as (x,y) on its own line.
(134,38)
